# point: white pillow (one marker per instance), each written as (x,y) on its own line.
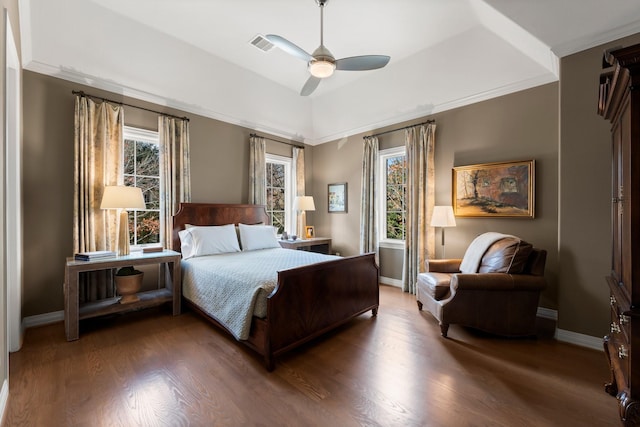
(210,240)
(254,237)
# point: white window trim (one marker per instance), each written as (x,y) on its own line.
(151,137)
(144,135)
(289,221)
(383,155)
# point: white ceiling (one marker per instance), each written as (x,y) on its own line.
(195,55)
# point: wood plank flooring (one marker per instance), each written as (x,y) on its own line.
(152,369)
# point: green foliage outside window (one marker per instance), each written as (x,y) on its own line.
(276,194)
(142,169)
(396,180)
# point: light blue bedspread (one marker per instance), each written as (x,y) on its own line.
(233,287)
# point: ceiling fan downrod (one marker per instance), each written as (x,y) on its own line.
(321,3)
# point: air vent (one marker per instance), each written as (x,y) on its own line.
(262,43)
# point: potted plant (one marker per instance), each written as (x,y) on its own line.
(128,283)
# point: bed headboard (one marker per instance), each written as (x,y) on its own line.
(215,214)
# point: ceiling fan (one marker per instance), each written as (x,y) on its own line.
(322,63)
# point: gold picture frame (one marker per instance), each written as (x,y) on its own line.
(495,190)
(309,232)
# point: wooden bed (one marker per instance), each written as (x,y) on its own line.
(307,301)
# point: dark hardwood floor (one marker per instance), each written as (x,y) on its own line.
(152,369)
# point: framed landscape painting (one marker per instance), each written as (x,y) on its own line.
(494,190)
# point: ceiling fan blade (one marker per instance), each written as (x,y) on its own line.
(289,47)
(361,63)
(311,85)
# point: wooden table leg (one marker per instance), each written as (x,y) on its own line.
(71,305)
(176,287)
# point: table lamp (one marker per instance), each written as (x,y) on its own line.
(443,217)
(303,204)
(122,197)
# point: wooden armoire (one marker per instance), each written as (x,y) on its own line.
(619,102)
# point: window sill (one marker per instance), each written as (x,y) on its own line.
(392,244)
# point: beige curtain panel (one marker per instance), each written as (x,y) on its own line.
(420,238)
(298,178)
(98,152)
(175,162)
(368,205)
(257,171)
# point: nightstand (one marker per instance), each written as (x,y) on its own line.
(315,244)
(169,287)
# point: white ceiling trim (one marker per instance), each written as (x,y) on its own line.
(99,83)
(24,16)
(517,36)
(446,106)
(583,43)
(483,51)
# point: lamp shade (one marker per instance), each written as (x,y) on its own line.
(443,217)
(304,203)
(122,197)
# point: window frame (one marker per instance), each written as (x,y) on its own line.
(383,155)
(152,137)
(287,162)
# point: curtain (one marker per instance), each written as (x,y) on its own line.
(98,152)
(257,171)
(175,162)
(419,236)
(368,203)
(299,189)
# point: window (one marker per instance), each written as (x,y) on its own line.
(142,169)
(279,192)
(393,190)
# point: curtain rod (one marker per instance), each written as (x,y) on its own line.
(81,93)
(277,140)
(395,130)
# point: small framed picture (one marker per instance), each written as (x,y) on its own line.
(310,233)
(337,195)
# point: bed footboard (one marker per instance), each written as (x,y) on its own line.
(311,300)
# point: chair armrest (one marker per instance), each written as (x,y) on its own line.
(444,265)
(497,282)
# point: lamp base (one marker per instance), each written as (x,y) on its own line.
(123,234)
(302,226)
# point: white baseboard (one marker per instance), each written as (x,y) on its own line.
(43,319)
(4,397)
(594,343)
(582,340)
(392,282)
(547,313)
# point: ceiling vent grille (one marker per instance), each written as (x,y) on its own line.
(262,43)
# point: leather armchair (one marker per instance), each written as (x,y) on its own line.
(500,298)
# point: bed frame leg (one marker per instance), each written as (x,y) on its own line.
(269,363)
(374,312)
(444,328)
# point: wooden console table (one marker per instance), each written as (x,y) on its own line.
(169,287)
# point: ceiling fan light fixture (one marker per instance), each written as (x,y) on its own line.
(321,68)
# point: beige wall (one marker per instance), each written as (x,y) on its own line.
(554,124)
(585,195)
(219,166)
(519,126)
